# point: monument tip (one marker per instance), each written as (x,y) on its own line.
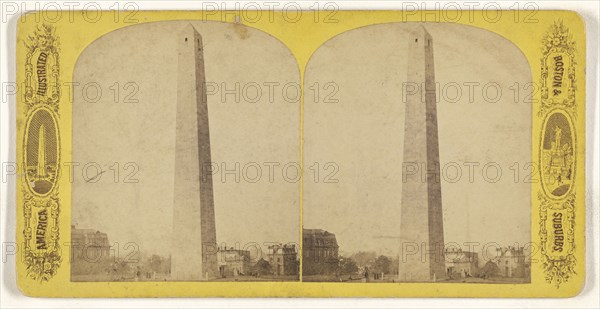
(190,32)
(189,28)
(420,30)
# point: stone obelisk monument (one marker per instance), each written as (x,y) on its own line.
(41,173)
(421,222)
(193,255)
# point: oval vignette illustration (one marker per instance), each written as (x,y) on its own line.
(41,152)
(557,164)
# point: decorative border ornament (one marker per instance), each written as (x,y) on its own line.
(557,159)
(41,155)
(558,70)
(557,222)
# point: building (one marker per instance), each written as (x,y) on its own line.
(233,262)
(512,262)
(319,252)
(283,259)
(461,264)
(90,252)
(88,244)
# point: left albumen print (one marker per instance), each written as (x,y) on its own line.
(186,139)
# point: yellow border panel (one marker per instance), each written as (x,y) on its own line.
(46,271)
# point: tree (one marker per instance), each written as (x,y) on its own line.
(363,258)
(490,269)
(158,264)
(155,262)
(262,267)
(122,270)
(382,264)
(347,266)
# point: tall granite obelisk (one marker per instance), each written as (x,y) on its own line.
(41,173)
(193,255)
(421,221)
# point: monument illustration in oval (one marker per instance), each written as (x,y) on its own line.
(557,160)
(41,152)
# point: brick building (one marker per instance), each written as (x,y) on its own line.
(319,253)
(90,252)
(461,264)
(233,262)
(512,262)
(283,259)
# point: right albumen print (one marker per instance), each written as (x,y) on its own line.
(417,157)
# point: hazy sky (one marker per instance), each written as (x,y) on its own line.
(262,133)
(363,134)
